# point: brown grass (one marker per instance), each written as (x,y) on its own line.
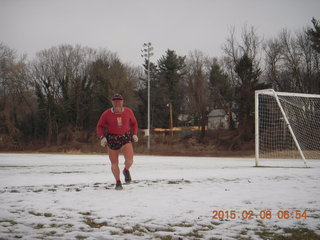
(215,144)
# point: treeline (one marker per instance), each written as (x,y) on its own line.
(65,88)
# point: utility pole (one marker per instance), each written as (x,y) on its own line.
(146,54)
(170,120)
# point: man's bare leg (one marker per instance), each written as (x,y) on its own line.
(127,151)
(114,159)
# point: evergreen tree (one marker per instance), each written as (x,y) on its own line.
(314,34)
(171,71)
(248,76)
(221,92)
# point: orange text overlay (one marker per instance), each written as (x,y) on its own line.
(263,214)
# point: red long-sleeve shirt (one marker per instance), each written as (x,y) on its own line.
(117,123)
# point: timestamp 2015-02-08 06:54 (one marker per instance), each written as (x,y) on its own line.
(262,214)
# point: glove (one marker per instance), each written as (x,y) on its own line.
(135,138)
(103,142)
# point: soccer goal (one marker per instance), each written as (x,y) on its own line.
(287,126)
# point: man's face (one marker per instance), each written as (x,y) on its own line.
(117,103)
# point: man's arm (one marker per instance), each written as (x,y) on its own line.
(134,123)
(101,125)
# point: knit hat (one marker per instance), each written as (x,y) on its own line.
(117,96)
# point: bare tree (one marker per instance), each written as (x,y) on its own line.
(272,50)
(197,81)
(292,64)
(62,87)
(16,101)
(250,45)
(46,88)
(242,64)
(310,58)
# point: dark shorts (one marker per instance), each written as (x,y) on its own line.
(116,141)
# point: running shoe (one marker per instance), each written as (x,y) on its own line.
(119,186)
(127,176)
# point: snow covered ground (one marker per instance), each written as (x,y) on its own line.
(51,196)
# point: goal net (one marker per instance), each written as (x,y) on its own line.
(287,126)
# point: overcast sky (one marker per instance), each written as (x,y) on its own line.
(122,26)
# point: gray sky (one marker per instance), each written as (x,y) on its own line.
(122,26)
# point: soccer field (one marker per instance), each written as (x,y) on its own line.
(52,196)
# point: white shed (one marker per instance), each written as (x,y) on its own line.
(218,119)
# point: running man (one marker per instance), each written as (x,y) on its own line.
(116,129)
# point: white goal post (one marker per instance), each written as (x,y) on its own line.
(287,126)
